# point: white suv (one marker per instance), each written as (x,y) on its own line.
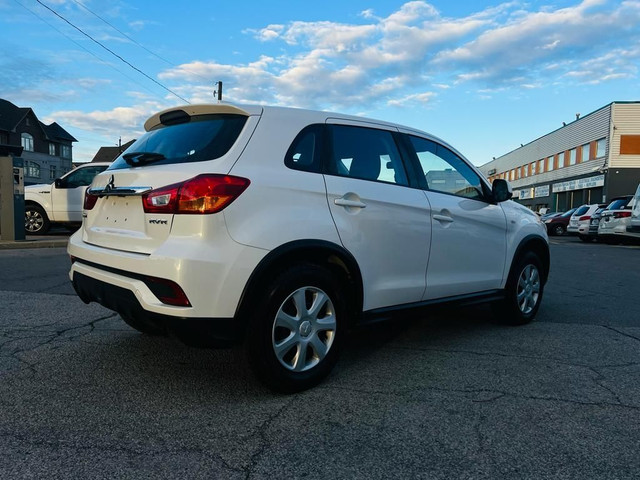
(285,227)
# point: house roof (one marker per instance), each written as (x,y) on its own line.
(11,115)
(109,154)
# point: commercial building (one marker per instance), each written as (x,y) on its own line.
(590,160)
(47,149)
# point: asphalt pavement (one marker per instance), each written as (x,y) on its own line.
(449,395)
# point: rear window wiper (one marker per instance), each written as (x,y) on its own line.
(136,159)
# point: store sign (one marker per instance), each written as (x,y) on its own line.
(541,191)
(516,194)
(579,184)
(526,193)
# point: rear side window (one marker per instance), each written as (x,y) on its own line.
(201,138)
(365,153)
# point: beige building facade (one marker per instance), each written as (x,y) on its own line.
(590,160)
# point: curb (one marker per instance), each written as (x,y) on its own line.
(44,243)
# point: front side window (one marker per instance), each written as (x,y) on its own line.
(601,147)
(27,142)
(65,151)
(52,149)
(365,153)
(197,139)
(572,156)
(445,171)
(82,177)
(586,151)
(52,172)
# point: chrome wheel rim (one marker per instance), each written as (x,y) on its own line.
(33,221)
(304,329)
(528,291)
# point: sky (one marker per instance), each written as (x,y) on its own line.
(485,76)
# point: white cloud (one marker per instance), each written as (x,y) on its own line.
(420,98)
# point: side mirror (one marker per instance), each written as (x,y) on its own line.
(501,190)
(59,183)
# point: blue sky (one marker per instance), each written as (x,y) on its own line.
(484,75)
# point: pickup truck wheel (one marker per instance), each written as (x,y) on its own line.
(523,293)
(36,221)
(294,336)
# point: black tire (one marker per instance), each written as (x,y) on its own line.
(557,229)
(584,238)
(36,221)
(302,334)
(523,293)
(142,326)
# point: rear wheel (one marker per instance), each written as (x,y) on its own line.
(523,293)
(36,221)
(557,229)
(294,336)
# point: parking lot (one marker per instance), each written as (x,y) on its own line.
(448,395)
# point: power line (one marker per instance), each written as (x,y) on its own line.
(112,52)
(83,47)
(133,40)
(122,33)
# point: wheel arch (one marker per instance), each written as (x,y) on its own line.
(318,252)
(537,245)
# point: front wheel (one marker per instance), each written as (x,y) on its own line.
(558,230)
(523,293)
(294,335)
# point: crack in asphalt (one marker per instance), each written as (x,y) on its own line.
(113,448)
(628,335)
(49,338)
(499,395)
(262,434)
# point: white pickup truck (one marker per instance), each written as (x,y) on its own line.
(59,202)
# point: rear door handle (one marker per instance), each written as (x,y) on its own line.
(443,218)
(344,202)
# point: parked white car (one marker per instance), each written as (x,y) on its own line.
(615,219)
(633,229)
(582,214)
(286,227)
(59,202)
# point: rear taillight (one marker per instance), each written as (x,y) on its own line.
(89,200)
(208,193)
(621,214)
(584,217)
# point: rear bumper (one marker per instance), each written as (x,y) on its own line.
(125,303)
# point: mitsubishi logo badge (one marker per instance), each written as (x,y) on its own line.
(109,186)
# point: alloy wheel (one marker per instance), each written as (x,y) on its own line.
(528,290)
(304,329)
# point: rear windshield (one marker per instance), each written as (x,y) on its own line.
(618,204)
(581,210)
(205,137)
